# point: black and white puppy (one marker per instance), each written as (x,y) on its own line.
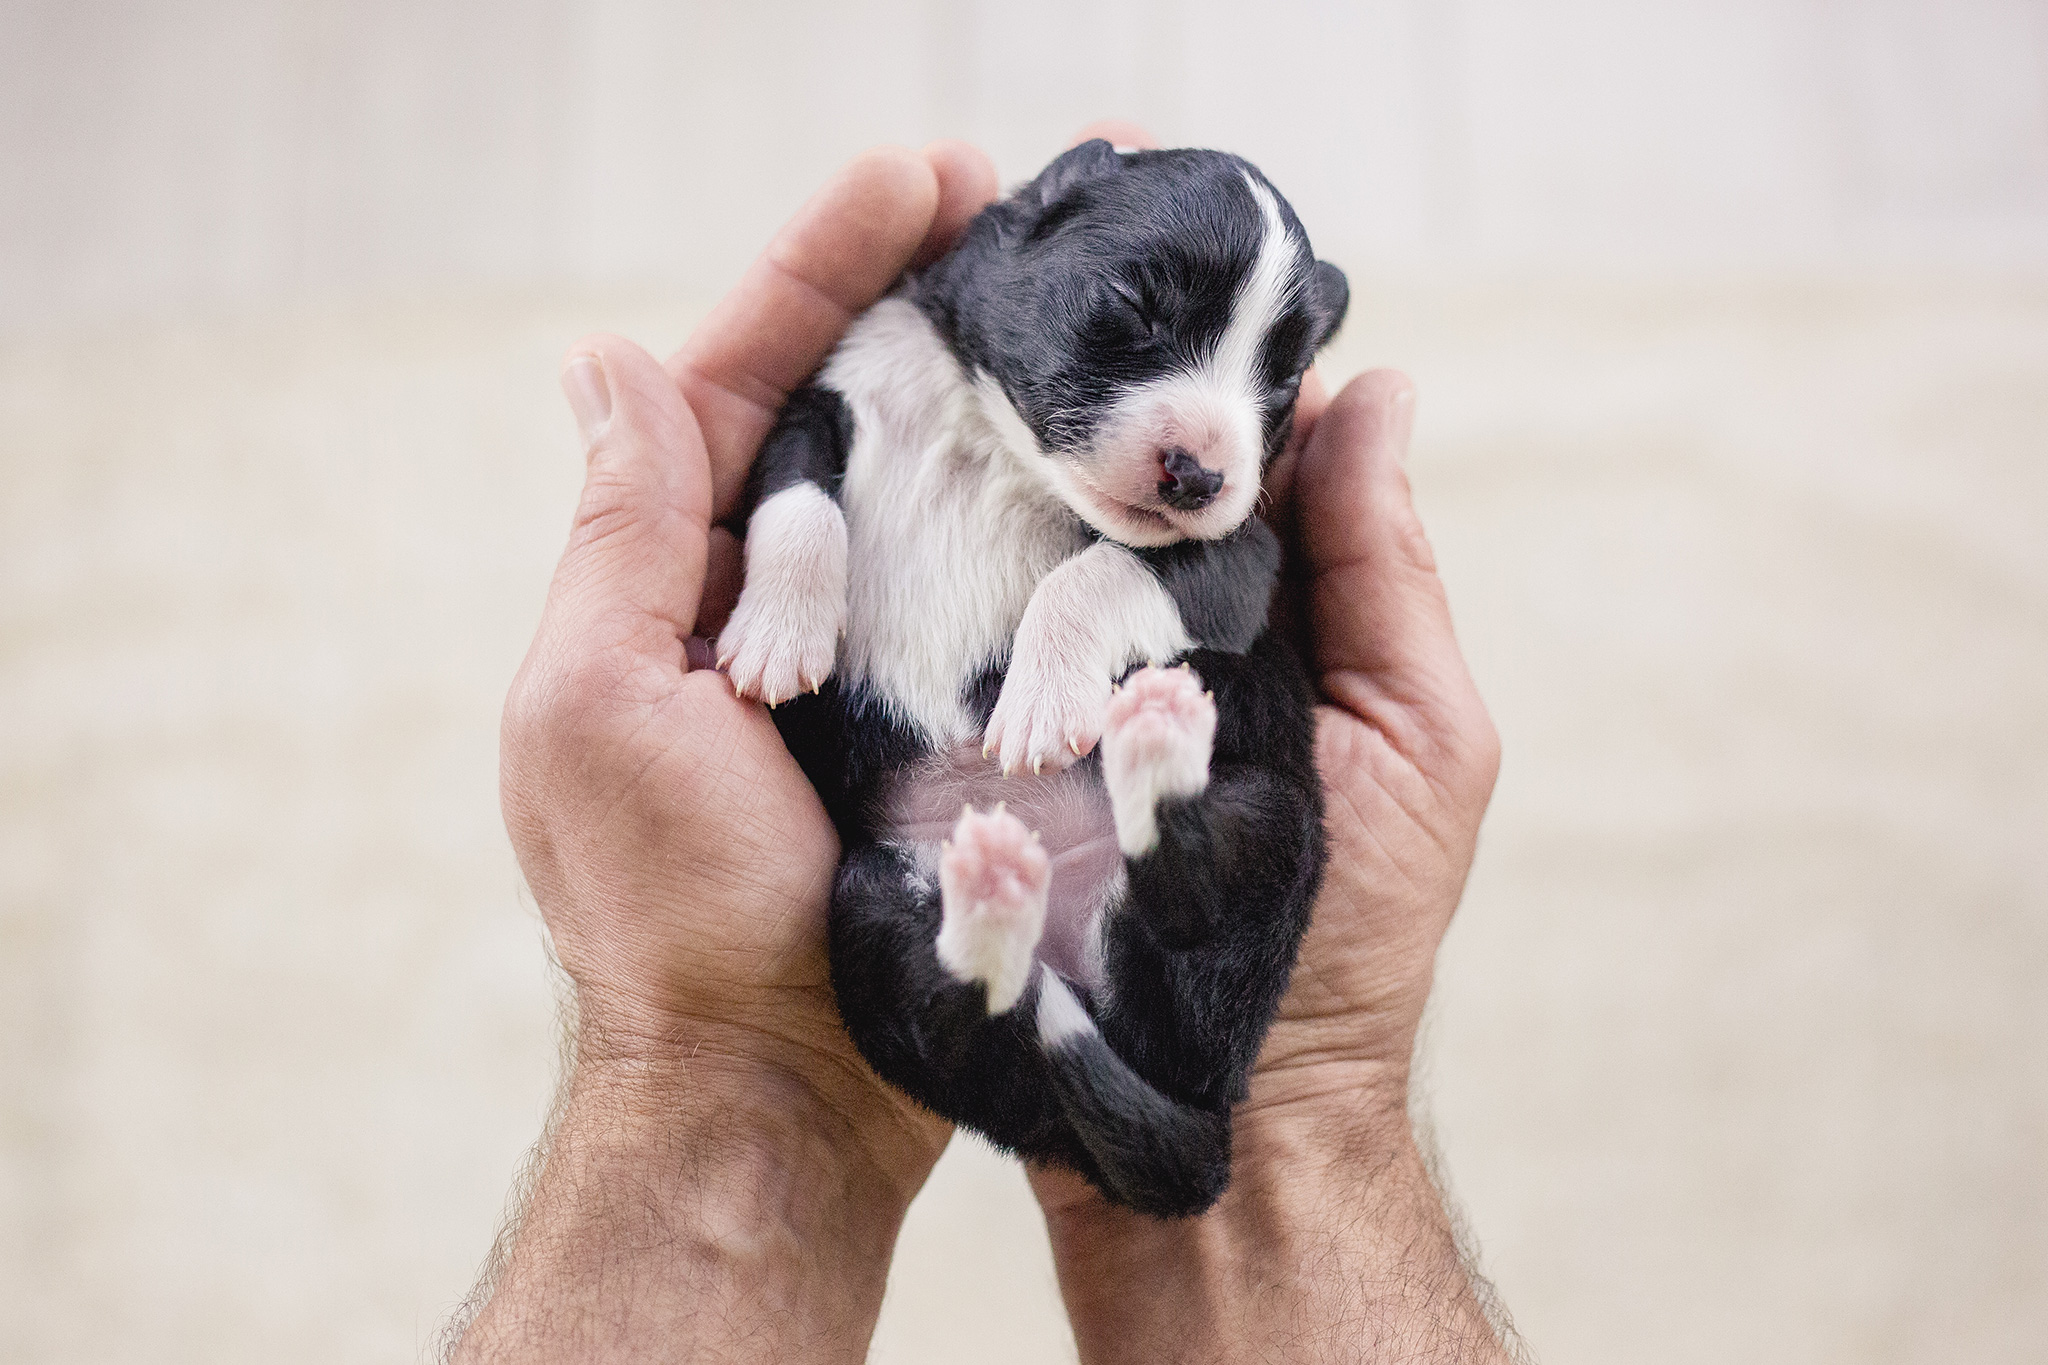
(1026,473)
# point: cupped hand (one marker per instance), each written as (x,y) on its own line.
(1408,758)
(1407,752)
(680,860)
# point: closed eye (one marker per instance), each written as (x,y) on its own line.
(1148,322)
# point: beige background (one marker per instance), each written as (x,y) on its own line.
(1731,322)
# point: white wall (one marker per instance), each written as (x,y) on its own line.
(156,158)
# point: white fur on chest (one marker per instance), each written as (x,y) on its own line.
(948,531)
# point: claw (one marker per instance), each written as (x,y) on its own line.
(988,749)
(1000,805)
(1209,695)
(724,662)
(1006,770)
(1036,765)
(1034,836)
(1075,745)
(1183,666)
(966,809)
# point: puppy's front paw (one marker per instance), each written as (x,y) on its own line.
(1047,716)
(784,634)
(1158,731)
(775,647)
(993,876)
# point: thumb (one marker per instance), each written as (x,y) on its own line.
(1381,623)
(633,573)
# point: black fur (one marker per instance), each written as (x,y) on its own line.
(1108,270)
(1105,272)
(808,443)
(1222,587)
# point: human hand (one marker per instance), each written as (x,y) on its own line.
(1331,1239)
(723,1147)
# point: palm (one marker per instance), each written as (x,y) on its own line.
(1387,893)
(1406,751)
(749,845)
(683,864)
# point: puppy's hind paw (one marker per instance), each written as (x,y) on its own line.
(1156,740)
(993,876)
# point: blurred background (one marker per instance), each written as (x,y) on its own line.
(1731,323)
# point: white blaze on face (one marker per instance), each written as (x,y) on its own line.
(1215,411)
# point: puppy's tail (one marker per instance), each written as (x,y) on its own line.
(1156,1155)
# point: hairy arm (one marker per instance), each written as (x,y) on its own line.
(724,1176)
(690,1212)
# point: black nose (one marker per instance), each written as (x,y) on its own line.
(1187,485)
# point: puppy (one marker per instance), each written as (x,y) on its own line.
(1001,565)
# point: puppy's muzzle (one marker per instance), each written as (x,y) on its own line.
(1187,486)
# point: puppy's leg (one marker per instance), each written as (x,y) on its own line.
(783,635)
(1217,806)
(1158,730)
(1086,621)
(927,1027)
(1221,877)
(993,878)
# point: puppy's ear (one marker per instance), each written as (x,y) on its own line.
(1329,296)
(1088,161)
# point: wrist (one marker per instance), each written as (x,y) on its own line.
(782,1072)
(809,1147)
(1332,1243)
(679,1200)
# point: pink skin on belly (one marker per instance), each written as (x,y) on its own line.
(1069,810)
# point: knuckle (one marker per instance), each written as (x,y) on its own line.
(557,705)
(606,508)
(1411,542)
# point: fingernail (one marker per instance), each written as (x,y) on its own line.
(590,398)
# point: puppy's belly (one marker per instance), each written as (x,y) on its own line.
(1070,812)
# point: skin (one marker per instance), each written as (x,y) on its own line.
(724,1178)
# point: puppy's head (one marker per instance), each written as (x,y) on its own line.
(1139,323)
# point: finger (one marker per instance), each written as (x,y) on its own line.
(967,185)
(840,252)
(1380,621)
(1117,132)
(724,575)
(634,569)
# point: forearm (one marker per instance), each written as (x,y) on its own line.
(1321,1250)
(684,1216)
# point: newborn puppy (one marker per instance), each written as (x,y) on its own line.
(1072,892)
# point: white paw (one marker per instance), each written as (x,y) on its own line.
(783,636)
(1157,734)
(1048,715)
(993,877)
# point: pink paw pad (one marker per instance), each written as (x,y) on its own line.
(993,876)
(1157,737)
